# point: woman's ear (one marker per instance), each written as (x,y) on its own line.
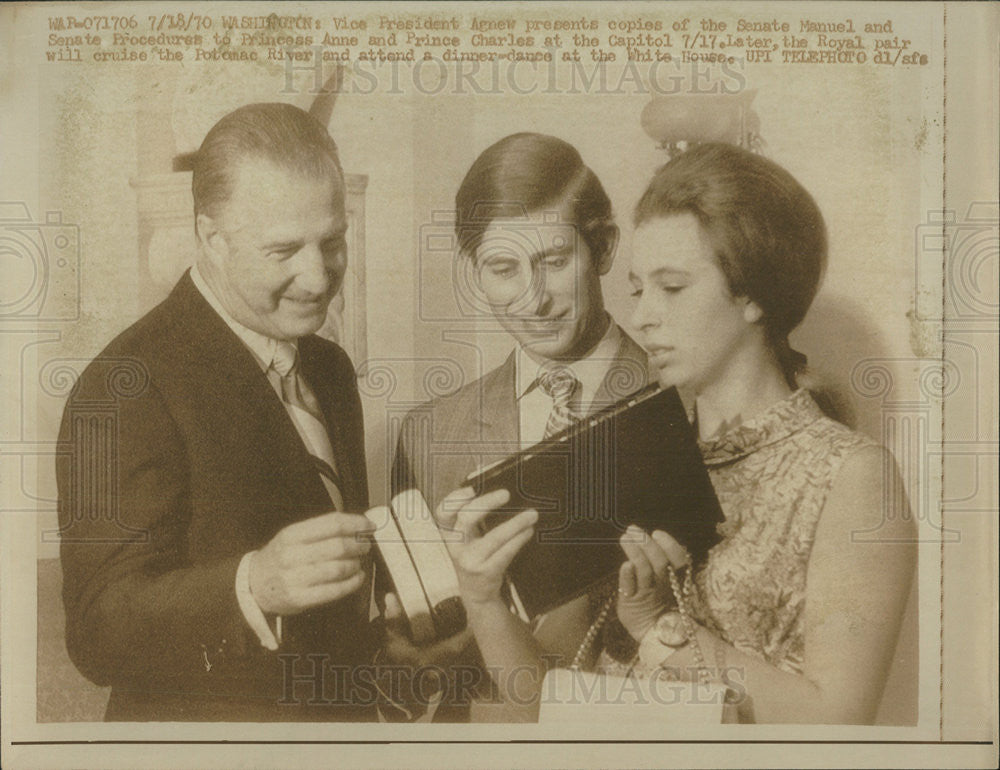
(751,311)
(608,258)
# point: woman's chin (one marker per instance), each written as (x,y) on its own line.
(667,378)
(685,388)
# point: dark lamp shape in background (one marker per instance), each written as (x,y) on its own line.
(678,121)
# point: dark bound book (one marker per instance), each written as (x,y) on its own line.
(635,462)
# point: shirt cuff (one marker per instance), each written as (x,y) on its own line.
(251,610)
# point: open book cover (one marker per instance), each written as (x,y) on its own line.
(635,462)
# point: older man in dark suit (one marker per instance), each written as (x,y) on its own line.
(216,562)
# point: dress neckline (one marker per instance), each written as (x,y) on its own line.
(778,421)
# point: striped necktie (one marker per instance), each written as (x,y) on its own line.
(562,386)
(307,416)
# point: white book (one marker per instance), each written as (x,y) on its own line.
(418,563)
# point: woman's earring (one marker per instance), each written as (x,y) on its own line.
(752,313)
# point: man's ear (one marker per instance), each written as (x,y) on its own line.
(211,239)
(752,312)
(467,266)
(608,258)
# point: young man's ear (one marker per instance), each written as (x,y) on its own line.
(467,266)
(613,235)
(751,311)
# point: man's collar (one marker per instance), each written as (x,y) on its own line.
(260,345)
(589,370)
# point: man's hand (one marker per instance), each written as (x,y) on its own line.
(401,651)
(310,563)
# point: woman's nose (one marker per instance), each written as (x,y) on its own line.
(642,317)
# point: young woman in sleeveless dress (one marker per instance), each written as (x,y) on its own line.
(799,606)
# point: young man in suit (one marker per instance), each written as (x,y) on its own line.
(216,562)
(536,233)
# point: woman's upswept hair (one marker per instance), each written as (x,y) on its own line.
(527,172)
(765,228)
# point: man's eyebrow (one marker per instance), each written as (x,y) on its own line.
(287,243)
(283,244)
(558,251)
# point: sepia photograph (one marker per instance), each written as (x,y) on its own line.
(499,384)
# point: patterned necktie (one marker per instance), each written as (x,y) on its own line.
(562,386)
(308,418)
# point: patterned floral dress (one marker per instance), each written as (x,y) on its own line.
(772,476)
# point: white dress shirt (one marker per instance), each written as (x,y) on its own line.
(534,405)
(262,348)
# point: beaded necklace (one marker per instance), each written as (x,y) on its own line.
(682,592)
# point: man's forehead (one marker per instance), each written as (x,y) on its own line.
(547,219)
(545,233)
(261,172)
(273,202)
(554,212)
(258,185)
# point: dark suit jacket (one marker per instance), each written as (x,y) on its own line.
(443,441)
(177,458)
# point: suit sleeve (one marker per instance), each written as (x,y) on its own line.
(403,474)
(400,479)
(423,461)
(357,430)
(137,610)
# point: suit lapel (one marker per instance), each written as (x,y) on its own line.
(497,410)
(227,373)
(330,396)
(481,425)
(476,428)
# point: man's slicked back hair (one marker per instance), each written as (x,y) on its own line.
(281,133)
